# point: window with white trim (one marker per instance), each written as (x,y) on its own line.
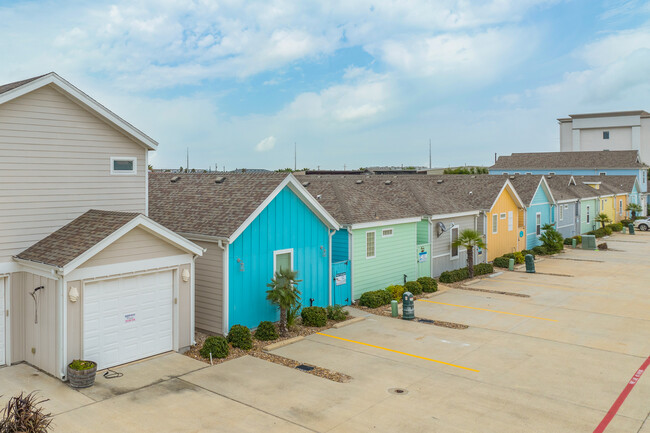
(282,260)
(620,207)
(502,215)
(538,224)
(386,233)
(588,216)
(561,213)
(454,238)
(370,245)
(495,223)
(605,135)
(510,221)
(124,165)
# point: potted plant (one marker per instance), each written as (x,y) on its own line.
(81,374)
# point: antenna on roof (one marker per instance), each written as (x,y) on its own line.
(495,157)
(295,156)
(429,153)
(187,162)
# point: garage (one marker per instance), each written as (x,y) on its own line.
(126,319)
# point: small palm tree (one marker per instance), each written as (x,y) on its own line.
(634,208)
(284,293)
(603,219)
(469,239)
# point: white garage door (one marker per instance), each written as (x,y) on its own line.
(3,326)
(127,318)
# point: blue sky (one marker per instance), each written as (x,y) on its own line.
(352,83)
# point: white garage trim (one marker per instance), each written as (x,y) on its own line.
(4,322)
(120,269)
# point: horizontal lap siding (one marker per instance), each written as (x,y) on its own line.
(441,248)
(567,224)
(593,211)
(423,232)
(55,165)
(395,256)
(285,223)
(209,288)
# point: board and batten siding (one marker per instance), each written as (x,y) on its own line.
(286,223)
(567,225)
(441,246)
(138,244)
(208,290)
(540,204)
(55,165)
(340,250)
(504,241)
(395,256)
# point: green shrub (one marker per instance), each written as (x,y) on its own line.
(453,276)
(375,298)
(413,287)
(616,227)
(336,312)
(217,345)
(314,316)
(626,222)
(526,252)
(540,250)
(519,258)
(552,239)
(501,262)
(80,365)
(601,232)
(266,331)
(483,269)
(292,314)
(396,291)
(578,239)
(428,284)
(240,336)
(568,241)
(509,255)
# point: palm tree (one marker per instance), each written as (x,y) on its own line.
(634,208)
(284,293)
(469,239)
(602,218)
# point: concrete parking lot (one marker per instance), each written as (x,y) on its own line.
(554,361)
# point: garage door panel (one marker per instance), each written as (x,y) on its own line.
(128,318)
(2,322)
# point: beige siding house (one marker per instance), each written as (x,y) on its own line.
(84,273)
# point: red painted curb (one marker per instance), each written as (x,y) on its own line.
(621,398)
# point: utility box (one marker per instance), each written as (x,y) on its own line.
(589,242)
(530,263)
(574,243)
(630,226)
(511,264)
(408,306)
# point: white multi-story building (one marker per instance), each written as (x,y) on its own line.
(621,130)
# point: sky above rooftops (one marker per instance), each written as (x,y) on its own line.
(351,83)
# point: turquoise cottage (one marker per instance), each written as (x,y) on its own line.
(540,205)
(251,226)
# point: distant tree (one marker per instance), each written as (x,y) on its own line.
(180,170)
(193,170)
(150,167)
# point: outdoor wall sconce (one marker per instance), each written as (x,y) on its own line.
(324,250)
(73,294)
(241,265)
(185,275)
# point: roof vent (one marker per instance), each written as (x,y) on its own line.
(439,181)
(219,179)
(473,177)
(512,177)
(359,181)
(470,193)
(305,184)
(318,197)
(175,179)
(388,182)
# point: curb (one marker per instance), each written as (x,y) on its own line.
(348,322)
(282,343)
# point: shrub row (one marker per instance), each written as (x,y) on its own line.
(377,298)
(519,256)
(616,227)
(428,284)
(314,316)
(601,232)
(463,273)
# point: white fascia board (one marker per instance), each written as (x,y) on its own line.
(9,267)
(386,223)
(142,222)
(568,200)
(518,200)
(85,100)
(302,193)
(131,267)
(199,237)
(547,189)
(453,215)
(42,269)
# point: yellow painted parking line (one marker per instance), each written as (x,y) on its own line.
(485,309)
(397,351)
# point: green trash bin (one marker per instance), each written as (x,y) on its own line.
(630,227)
(408,306)
(574,243)
(530,264)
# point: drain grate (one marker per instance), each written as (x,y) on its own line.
(304,367)
(426,321)
(398,391)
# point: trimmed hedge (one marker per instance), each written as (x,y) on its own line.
(396,291)
(428,284)
(240,336)
(217,345)
(266,331)
(336,312)
(526,252)
(601,232)
(314,316)
(413,287)
(375,298)
(501,262)
(483,269)
(616,227)
(540,250)
(453,276)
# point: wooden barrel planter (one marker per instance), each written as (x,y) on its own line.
(81,374)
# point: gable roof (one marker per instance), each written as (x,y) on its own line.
(612,184)
(88,234)
(220,205)
(527,186)
(564,189)
(16,89)
(569,160)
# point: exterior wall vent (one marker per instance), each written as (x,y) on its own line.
(220,179)
(175,179)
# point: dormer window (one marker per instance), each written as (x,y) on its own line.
(124,165)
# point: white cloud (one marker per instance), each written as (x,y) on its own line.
(266,144)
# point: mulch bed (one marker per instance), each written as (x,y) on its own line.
(497,292)
(258,351)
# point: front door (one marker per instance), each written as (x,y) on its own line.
(341,284)
(423,257)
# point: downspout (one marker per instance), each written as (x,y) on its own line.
(430,245)
(193,300)
(351,258)
(225,262)
(329,267)
(62,323)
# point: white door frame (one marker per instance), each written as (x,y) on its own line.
(5,291)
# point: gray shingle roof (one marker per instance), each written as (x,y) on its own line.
(10,86)
(569,160)
(526,185)
(195,204)
(77,237)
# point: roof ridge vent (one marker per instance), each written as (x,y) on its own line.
(175,179)
(220,179)
(512,177)
(306,184)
